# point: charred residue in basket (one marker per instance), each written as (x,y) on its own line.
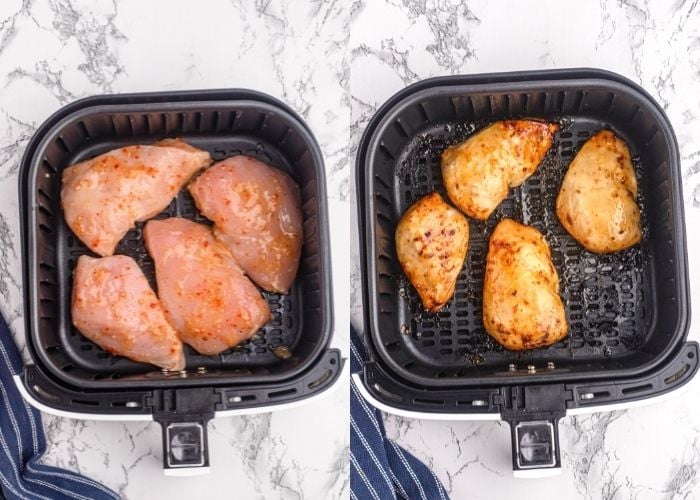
(606,296)
(417,169)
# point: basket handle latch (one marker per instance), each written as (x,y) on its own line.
(183,416)
(535,448)
(533,412)
(185,448)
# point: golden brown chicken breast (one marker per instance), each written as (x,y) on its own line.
(431,242)
(597,203)
(478,172)
(522,307)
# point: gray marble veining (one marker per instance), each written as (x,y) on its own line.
(336,63)
(640,453)
(53,52)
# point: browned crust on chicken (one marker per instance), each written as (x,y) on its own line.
(597,203)
(478,172)
(431,243)
(522,308)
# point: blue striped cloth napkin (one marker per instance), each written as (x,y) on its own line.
(22,443)
(379,468)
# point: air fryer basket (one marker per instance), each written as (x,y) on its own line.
(628,312)
(70,373)
(300,321)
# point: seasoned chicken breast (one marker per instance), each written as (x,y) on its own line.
(113,305)
(597,203)
(478,172)
(431,243)
(103,198)
(522,307)
(206,296)
(256,210)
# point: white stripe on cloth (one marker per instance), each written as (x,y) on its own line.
(399,486)
(13,420)
(32,423)
(77,479)
(27,410)
(15,469)
(367,409)
(410,470)
(360,472)
(354,350)
(438,484)
(8,485)
(5,446)
(6,481)
(15,428)
(7,358)
(27,478)
(371,453)
(71,494)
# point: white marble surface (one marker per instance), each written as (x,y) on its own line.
(335,63)
(52,52)
(647,453)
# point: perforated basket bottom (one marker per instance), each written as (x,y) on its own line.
(607,297)
(282,330)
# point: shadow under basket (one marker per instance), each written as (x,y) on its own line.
(628,312)
(286,361)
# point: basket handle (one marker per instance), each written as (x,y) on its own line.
(183,415)
(185,448)
(535,448)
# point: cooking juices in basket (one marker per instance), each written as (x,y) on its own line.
(628,312)
(286,361)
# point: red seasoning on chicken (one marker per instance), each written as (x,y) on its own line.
(256,210)
(431,243)
(104,197)
(114,306)
(206,297)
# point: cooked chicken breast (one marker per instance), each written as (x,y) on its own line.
(103,198)
(522,307)
(431,243)
(478,172)
(114,306)
(256,210)
(597,203)
(206,296)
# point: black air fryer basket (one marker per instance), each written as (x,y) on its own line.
(70,374)
(628,312)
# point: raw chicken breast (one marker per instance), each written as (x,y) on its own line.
(478,172)
(597,203)
(256,210)
(114,306)
(431,243)
(103,198)
(522,307)
(206,296)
